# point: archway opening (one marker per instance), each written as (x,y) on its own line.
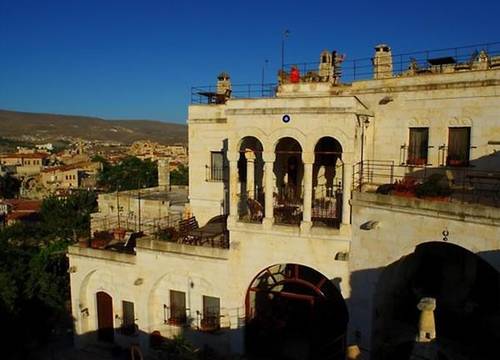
(289,172)
(251,175)
(466,290)
(295,312)
(105,321)
(328,179)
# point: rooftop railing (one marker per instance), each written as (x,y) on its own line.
(209,94)
(414,63)
(362,68)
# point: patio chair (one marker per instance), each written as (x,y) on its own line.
(185,228)
(256,210)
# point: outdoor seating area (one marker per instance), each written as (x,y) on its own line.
(188,231)
(448,184)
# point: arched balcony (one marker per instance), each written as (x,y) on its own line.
(327,182)
(289,186)
(250,175)
(289,174)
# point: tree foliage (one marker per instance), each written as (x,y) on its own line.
(9,186)
(130,173)
(34,283)
(69,217)
(180,176)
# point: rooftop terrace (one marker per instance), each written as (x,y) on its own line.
(339,70)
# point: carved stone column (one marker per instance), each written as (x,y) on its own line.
(307,201)
(250,157)
(233,187)
(346,194)
(269,188)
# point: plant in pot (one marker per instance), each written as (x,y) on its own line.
(405,187)
(435,187)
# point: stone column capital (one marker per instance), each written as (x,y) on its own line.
(268,156)
(249,154)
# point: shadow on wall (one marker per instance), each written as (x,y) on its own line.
(466,287)
(123,344)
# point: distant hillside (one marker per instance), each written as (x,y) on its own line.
(51,127)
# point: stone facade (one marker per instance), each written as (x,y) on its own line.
(290,141)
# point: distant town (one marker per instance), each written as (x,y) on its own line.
(49,169)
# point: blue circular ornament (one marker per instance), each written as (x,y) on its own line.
(286,118)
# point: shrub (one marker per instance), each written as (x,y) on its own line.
(434,186)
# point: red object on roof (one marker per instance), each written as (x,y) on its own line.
(294,75)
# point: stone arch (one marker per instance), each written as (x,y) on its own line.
(286,299)
(87,297)
(466,289)
(193,285)
(257,133)
(251,177)
(336,133)
(288,132)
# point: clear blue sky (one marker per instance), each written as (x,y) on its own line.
(138,59)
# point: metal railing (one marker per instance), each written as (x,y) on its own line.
(454,184)
(362,68)
(288,205)
(327,205)
(208,94)
(215,174)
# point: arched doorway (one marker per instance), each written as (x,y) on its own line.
(105,322)
(328,180)
(289,172)
(467,293)
(294,312)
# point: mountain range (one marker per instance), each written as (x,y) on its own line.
(36,127)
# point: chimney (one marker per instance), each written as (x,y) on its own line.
(382,62)
(223,84)
(426,323)
(164,173)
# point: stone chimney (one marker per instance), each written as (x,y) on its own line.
(426,323)
(223,83)
(164,173)
(382,62)
(425,345)
(325,70)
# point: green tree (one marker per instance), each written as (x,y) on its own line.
(130,173)
(180,176)
(68,217)
(34,283)
(9,186)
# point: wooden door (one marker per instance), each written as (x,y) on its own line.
(105,330)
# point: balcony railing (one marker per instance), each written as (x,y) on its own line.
(288,205)
(327,205)
(215,174)
(453,184)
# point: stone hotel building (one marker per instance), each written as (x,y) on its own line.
(353,208)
